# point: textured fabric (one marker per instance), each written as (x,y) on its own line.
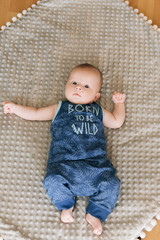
(77,164)
(37,53)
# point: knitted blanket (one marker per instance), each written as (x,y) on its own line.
(37,51)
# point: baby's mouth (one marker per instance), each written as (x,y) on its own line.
(76,94)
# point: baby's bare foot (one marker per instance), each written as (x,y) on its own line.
(95,223)
(66,215)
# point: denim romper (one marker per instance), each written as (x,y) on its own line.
(77,164)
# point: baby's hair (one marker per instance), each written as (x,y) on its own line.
(90,66)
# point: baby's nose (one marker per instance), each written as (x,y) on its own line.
(78,87)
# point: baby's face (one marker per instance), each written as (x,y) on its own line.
(83,86)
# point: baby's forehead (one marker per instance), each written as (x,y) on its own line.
(86,70)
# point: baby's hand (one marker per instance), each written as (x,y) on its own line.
(118,97)
(8,107)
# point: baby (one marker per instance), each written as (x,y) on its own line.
(77,164)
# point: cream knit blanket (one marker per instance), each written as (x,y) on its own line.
(36,54)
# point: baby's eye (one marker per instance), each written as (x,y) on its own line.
(86,86)
(74,83)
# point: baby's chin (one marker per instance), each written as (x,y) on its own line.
(77,101)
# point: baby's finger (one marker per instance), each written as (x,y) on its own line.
(123,96)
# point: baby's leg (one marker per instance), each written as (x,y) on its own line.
(102,203)
(61,196)
(66,215)
(95,223)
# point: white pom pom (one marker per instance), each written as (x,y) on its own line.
(14,19)
(149,227)
(149,21)
(19,15)
(3,27)
(145,18)
(33,5)
(158,31)
(142,235)
(158,215)
(141,15)
(153,222)
(136,10)
(127,2)
(8,24)
(24,12)
(28,9)
(155,26)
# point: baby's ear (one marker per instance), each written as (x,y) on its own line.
(97,96)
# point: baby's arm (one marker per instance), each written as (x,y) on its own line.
(30,113)
(117,117)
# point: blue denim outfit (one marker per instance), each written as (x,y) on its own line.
(77,164)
